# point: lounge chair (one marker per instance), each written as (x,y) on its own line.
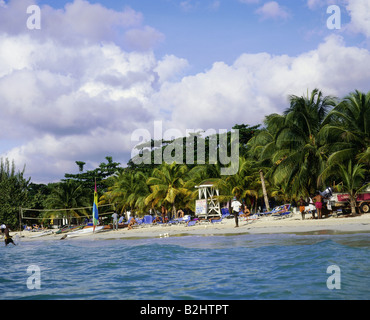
(283,212)
(216,221)
(273,211)
(185,220)
(174,221)
(134,225)
(191,223)
(147,221)
(140,221)
(160,222)
(252,217)
(225,213)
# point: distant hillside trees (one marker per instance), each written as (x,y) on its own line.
(13,193)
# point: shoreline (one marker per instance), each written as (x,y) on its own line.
(265,225)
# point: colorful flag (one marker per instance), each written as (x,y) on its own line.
(95,209)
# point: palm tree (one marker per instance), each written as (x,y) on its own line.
(299,156)
(67,195)
(241,185)
(167,185)
(129,191)
(346,130)
(264,190)
(352,178)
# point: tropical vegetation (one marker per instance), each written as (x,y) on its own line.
(318,141)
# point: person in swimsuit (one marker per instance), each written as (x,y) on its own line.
(7,238)
(318,204)
(157,219)
(246,213)
(302,206)
(132,222)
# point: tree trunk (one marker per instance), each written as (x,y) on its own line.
(174,213)
(255,205)
(353,206)
(264,191)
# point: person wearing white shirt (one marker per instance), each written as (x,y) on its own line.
(115,220)
(235,204)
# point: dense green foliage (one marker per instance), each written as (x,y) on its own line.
(318,141)
(13,193)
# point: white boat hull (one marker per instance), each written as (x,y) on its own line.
(85,231)
(44,233)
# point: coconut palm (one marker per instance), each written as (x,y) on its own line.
(167,185)
(353,179)
(244,184)
(299,156)
(67,195)
(128,191)
(346,130)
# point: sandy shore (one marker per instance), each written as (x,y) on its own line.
(293,224)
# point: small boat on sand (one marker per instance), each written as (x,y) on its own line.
(69,229)
(41,234)
(84,231)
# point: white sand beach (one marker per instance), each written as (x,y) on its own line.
(294,224)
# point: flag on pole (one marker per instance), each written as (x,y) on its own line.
(95,209)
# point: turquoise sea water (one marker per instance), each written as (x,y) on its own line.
(277,266)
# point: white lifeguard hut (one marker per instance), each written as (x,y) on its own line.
(207,204)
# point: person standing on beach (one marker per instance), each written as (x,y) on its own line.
(302,206)
(235,204)
(318,204)
(115,221)
(164,213)
(7,238)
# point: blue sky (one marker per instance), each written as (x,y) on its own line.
(206,31)
(97,71)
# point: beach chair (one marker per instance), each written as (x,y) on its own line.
(139,222)
(226,213)
(284,212)
(147,221)
(174,221)
(159,222)
(191,223)
(185,220)
(273,211)
(217,221)
(129,220)
(252,217)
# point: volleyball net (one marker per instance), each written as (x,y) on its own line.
(50,215)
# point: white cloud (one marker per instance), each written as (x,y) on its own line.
(80,23)
(359,10)
(170,67)
(143,38)
(86,111)
(272,10)
(61,102)
(73,92)
(258,84)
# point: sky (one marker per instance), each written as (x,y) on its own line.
(79,77)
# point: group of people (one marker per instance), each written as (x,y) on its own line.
(235,205)
(133,221)
(317,200)
(117,219)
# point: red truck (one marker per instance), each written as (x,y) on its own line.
(341,201)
